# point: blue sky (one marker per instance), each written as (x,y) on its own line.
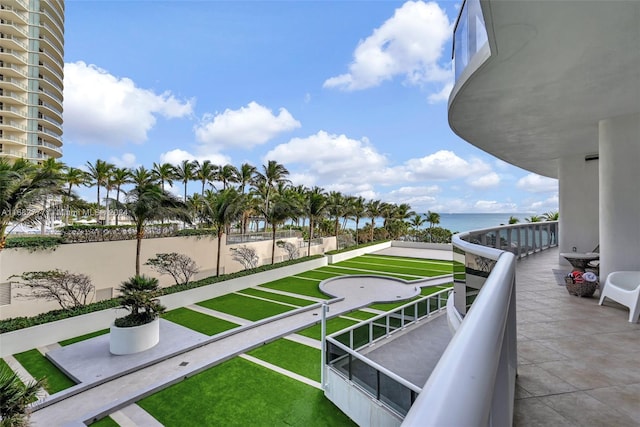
(350,96)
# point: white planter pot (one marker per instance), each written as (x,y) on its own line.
(134,339)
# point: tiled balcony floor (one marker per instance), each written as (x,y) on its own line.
(579,363)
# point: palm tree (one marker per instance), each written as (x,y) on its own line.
(432,218)
(185,172)
(147,202)
(15,397)
(246,174)
(227,174)
(416,222)
(358,210)
(335,206)
(141,176)
(534,218)
(277,212)
(99,174)
(551,216)
(138,295)
(22,185)
(273,173)
(120,177)
(73,177)
(220,210)
(374,210)
(205,172)
(315,207)
(162,173)
(513,220)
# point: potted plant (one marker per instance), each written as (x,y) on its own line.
(140,329)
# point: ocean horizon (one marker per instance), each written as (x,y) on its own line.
(458,222)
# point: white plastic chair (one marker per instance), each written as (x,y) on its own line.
(624,288)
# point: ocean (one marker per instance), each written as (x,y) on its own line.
(459,222)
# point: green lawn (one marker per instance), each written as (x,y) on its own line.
(359,314)
(407,262)
(412,273)
(299,302)
(199,322)
(357,271)
(333,325)
(297,286)
(105,422)
(40,367)
(319,274)
(83,337)
(292,356)
(245,307)
(241,393)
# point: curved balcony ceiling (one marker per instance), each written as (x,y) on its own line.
(556,68)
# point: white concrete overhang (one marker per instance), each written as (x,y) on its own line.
(555,69)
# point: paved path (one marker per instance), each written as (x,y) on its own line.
(123,391)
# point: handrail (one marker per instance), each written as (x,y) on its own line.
(478,366)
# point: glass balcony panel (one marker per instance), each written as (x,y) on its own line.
(395,394)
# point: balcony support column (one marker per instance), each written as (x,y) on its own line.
(578,202)
(619,150)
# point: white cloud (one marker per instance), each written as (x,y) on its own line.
(443,165)
(534,183)
(489,180)
(102,108)
(177,155)
(409,44)
(491,206)
(541,206)
(244,128)
(127,160)
(443,95)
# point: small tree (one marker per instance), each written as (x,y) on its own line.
(15,397)
(246,256)
(138,295)
(290,248)
(68,289)
(179,266)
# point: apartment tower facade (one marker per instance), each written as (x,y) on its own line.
(31,79)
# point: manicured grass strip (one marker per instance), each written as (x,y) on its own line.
(318,274)
(245,307)
(40,367)
(362,315)
(292,356)
(404,261)
(83,337)
(417,272)
(297,286)
(105,422)
(199,322)
(242,393)
(277,297)
(333,325)
(433,289)
(388,306)
(351,271)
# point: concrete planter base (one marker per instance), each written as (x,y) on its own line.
(134,339)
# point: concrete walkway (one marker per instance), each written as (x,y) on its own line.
(125,390)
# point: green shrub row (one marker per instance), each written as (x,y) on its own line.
(34,243)
(16,323)
(352,248)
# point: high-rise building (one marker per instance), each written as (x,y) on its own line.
(31,78)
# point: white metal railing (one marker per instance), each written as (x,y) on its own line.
(343,357)
(473,384)
(519,239)
(233,239)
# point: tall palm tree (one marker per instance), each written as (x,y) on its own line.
(205,173)
(273,173)
(416,222)
(227,175)
(315,207)
(22,185)
(534,218)
(551,216)
(374,210)
(141,176)
(163,173)
(246,174)
(335,206)
(120,177)
(277,212)
(358,210)
(72,177)
(220,210)
(433,218)
(99,173)
(513,220)
(147,202)
(185,172)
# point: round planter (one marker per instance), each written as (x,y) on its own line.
(134,339)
